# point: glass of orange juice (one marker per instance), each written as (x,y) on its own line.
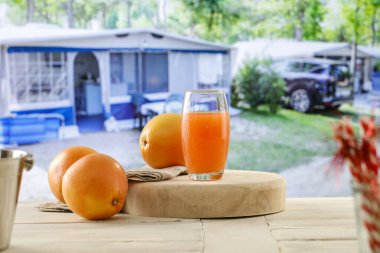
(205,133)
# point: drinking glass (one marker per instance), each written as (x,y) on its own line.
(205,133)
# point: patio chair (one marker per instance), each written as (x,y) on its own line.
(173,103)
(137,101)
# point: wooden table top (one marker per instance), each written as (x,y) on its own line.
(308,225)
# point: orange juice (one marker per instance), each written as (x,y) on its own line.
(205,140)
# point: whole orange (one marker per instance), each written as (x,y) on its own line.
(160,141)
(61,163)
(95,187)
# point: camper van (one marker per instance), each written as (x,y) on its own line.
(75,79)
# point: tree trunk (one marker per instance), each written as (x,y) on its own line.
(30,11)
(158,18)
(354,44)
(298,35)
(374,26)
(70,13)
(129,13)
(354,52)
(164,14)
(104,16)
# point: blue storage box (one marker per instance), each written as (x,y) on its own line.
(21,130)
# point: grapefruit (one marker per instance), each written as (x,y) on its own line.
(161,141)
(95,187)
(61,164)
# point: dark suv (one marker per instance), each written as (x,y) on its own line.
(312,83)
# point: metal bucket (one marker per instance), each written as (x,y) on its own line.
(12,163)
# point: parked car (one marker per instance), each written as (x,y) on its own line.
(313,83)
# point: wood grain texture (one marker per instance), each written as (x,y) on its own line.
(36,231)
(238,194)
(315,225)
(29,214)
(247,234)
(319,247)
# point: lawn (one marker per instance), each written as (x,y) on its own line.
(291,139)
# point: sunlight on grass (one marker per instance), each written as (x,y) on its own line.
(294,138)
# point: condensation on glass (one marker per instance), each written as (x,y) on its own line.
(38,77)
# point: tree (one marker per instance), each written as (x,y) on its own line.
(213,17)
(129,13)
(298,19)
(372,10)
(30,11)
(256,84)
(304,18)
(162,14)
(361,20)
(69,7)
(314,17)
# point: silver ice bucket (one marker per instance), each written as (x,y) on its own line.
(12,163)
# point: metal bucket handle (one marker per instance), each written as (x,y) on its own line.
(29,162)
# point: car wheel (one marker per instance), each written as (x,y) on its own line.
(300,100)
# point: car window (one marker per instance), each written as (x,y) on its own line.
(294,67)
(310,66)
(279,66)
(340,72)
(315,68)
(318,70)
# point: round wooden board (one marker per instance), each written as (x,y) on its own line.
(237,194)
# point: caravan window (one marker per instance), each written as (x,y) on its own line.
(38,77)
(123,74)
(155,72)
(211,70)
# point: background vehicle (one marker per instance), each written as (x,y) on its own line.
(315,83)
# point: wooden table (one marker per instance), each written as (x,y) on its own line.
(308,225)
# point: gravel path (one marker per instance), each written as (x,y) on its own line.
(311,180)
(123,146)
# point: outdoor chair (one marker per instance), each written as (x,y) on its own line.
(173,103)
(137,101)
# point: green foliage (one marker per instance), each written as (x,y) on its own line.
(314,17)
(303,18)
(213,18)
(361,18)
(376,66)
(225,21)
(258,84)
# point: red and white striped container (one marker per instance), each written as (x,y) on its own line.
(367,208)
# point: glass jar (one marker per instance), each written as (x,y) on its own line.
(359,191)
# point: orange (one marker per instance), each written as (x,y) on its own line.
(95,187)
(161,142)
(61,163)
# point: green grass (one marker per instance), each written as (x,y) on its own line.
(293,139)
(352,112)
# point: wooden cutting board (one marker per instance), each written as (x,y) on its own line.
(239,193)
